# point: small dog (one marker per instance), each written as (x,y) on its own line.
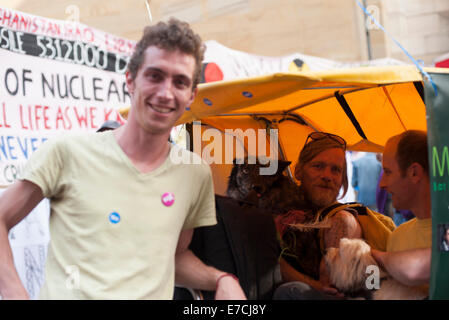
(347,266)
(275,193)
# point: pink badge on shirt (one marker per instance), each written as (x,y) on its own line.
(168,199)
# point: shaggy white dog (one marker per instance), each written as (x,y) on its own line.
(347,266)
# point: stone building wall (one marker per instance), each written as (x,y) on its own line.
(332,29)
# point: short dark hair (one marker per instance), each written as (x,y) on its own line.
(412,147)
(171,35)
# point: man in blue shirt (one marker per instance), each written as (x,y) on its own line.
(365,175)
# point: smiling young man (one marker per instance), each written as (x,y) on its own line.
(122,212)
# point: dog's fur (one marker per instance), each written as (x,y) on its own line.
(278,194)
(347,267)
(274,193)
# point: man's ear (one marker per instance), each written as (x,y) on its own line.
(192,96)
(416,172)
(129,82)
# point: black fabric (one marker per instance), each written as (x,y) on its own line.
(347,109)
(244,243)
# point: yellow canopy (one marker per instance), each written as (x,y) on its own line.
(364,105)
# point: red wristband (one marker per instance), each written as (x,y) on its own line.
(225,275)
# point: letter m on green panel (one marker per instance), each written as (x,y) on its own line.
(436,161)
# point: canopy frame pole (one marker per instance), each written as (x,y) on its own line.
(394,107)
(348,111)
(274,125)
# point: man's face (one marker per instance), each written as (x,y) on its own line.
(447,236)
(322,177)
(161,90)
(392,179)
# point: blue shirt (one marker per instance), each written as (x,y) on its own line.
(365,176)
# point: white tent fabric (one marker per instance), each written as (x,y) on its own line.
(238,64)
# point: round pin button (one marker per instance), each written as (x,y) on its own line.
(114,218)
(208,102)
(168,199)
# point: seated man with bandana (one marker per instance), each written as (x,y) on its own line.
(322,171)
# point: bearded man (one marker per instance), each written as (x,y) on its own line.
(322,172)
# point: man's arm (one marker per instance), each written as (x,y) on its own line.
(410,267)
(193,273)
(290,274)
(342,225)
(15,203)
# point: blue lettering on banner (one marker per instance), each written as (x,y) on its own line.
(14,148)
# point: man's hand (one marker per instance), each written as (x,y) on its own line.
(327,288)
(332,292)
(379,256)
(15,203)
(191,272)
(229,288)
(325,285)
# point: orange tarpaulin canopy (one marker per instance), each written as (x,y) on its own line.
(364,105)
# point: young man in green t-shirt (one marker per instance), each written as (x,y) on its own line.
(122,212)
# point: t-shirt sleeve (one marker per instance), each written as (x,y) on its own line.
(44,167)
(203,210)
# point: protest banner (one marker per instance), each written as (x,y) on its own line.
(438,131)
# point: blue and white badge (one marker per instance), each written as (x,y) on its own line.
(114,218)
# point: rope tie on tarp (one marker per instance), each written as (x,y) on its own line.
(415,62)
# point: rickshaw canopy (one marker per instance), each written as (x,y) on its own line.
(364,105)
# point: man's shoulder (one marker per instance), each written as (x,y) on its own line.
(73,143)
(74,137)
(406,225)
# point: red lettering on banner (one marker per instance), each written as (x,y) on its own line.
(53,29)
(3,120)
(59,117)
(35,26)
(24,22)
(107,113)
(15,22)
(119,118)
(23,122)
(34,117)
(81,118)
(6,17)
(118,44)
(92,117)
(64,117)
(89,35)
(111,113)
(67,117)
(87,118)
(46,126)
